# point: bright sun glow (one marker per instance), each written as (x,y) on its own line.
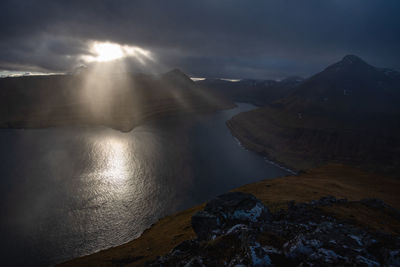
(107,51)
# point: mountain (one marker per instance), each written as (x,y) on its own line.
(348,86)
(258,92)
(120,101)
(347,113)
(176,76)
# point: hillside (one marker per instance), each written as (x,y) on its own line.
(347,113)
(120,101)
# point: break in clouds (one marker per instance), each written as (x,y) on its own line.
(226,38)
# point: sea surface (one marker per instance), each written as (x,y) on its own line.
(68,192)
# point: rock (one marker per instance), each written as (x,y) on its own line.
(342,201)
(228,210)
(392,258)
(236,229)
(374,203)
(291,205)
(238,206)
(297,247)
(327,201)
(205,225)
(380,204)
(186,246)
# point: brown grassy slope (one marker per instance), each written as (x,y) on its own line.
(310,140)
(340,181)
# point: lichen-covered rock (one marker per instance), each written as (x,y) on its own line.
(226,211)
(237,230)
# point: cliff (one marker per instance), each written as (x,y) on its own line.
(238,229)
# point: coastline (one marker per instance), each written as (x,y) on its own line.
(248,144)
(124,124)
(277,164)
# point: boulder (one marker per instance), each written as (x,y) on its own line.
(236,229)
(227,210)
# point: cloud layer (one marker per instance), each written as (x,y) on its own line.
(208,38)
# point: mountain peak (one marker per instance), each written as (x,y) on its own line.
(176,72)
(350,63)
(352,59)
(176,75)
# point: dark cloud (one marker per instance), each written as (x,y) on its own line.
(224,38)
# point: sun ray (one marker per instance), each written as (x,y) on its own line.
(108,51)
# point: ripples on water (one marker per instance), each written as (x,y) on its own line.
(67,192)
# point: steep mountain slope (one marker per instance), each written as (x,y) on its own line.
(349,112)
(120,101)
(258,92)
(348,86)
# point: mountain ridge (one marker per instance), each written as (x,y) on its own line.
(350,115)
(120,101)
(348,86)
(258,92)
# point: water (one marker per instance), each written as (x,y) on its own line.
(67,192)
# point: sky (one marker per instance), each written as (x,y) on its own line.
(209,38)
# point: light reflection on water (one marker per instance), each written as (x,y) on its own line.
(69,192)
(114,164)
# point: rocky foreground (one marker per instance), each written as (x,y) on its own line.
(236,229)
(341,181)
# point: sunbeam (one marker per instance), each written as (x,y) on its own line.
(108,86)
(107,51)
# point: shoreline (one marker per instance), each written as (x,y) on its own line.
(126,126)
(277,164)
(254,147)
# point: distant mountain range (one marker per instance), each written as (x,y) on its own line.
(350,85)
(349,112)
(348,93)
(257,92)
(120,101)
